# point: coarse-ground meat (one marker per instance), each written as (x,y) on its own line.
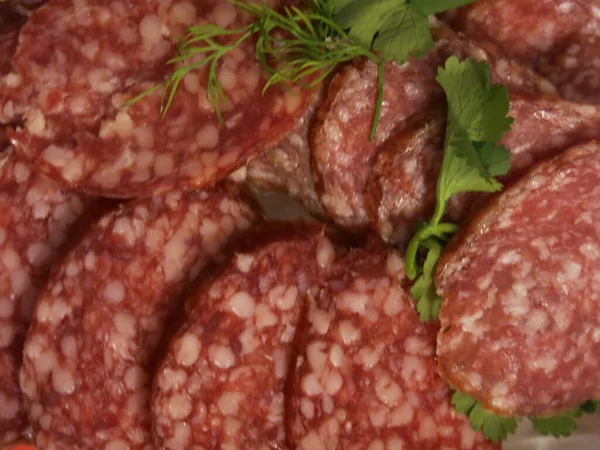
(521,295)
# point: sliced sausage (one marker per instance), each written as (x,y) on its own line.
(98,321)
(36,217)
(556,37)
(342,154)
(521,296)
(287,166)
(221,384)
(366,375)
(401,190)
(102,55)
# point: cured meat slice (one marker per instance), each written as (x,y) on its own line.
(342,154)
(76,129)
(556,37)
(10,23)
(222,381)
(88,355)
(402,188)
(35,219)
(287,166)
(521,299)
(366,375)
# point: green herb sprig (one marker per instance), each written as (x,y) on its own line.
(477,119)
(496,428)
(302,46)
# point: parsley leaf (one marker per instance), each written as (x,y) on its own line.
(477,119)
(495,428)
(391,27)
(562,425)
(429,7)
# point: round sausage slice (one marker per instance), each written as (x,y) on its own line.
(366,375)
(343,156)
(521,295)
(36,217)
(79,63)
(221,384)
(98,321)
(559,38)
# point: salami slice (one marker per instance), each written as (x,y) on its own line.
(557,37)
(342,154)
(10,23)
(221,384)
(521,299)
(35,219)
(402,188)
(287,166)
(76,129)
(366,376)
(99,319)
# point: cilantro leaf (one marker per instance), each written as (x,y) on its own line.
(388,26)
(562,425)
(495,428)
(404,33)
(466,167)
(430,7)
(474,105)
(559,426)
(477,119)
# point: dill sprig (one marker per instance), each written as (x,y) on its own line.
(294,47)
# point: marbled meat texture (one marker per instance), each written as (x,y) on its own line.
(222,382)
(559,38)
(342,154)
(401,190)
(521,293)
(89,352)
(36,217)
(79,62)
(366,378)
(287,166)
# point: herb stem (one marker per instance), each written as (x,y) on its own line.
(379,100)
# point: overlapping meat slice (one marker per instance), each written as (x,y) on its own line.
(559,38)
(366,376)
(287,166)
(36,218)
(521,296)
(98,321)
(78,63)
(401,190)
(221,384)
(342,154)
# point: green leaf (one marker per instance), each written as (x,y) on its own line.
(430,7)
(388,26)
(405,33)
(463,403)
(562,425)
(589,407)
(495,428)
(474,105)
(477,119)
(559,426)
(465,167)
